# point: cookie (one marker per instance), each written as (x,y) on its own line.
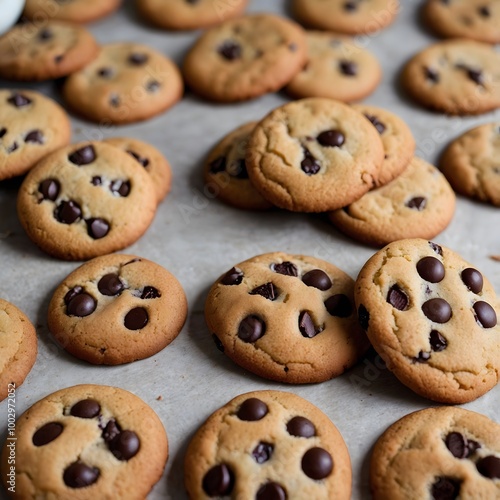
(419,203)
(75,11)
(86,200)
(32,126)
(155,164)
(226,175)
(245,58)
(189,14)
(346,16)
(336,68)
(470,163)
(474,19)
(437,453)
(128,82)
(85,442)
(458,77)
(43,51)
(268,444)
(314,155)
(288,318)
(18,347)
(432,318)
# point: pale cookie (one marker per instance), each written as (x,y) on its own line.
(117,309)
(128,82)
(18,348)
(268,445)
(155,164)
(189,14)
(418,204)
(475,19)
(44,51)
(85,200)
(471,163)
(288,318)
(336,68)
(86,442)
(442,453)
(314,155)
(432,318)
(245,58)
(226,175)
(459,77)
(31,126)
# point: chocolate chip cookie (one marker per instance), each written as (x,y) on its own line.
(268,444)
(432,317)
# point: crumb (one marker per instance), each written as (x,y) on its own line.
(495,257)
(159,398)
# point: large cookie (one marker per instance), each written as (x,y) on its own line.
(314,155)
(438,453)
(116,309)
(86,442)
(285,317)
(268,445)
(432,318)
(75,11)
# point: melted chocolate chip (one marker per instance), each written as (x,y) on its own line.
(125,445)
(251,329)
(97,228)
(80,475)
(437,341)
(431,269)
(485,314)
(111,431)
(363,317)
(397,298)
(317,463)
(489,467)
(376,123)
(331,138)
(3,131)
(445,488)
(87,408)
(285,268)
(317,279)
(137,58)
(12,148)
(152,86)
(71,294)
(423,357)
(218,343)
(417,203)
(110,285)
(35,136)
(49,189)
(238,169)
(301,427)
(233,277)
(476,76)
(348,68)
(68,212)
(350,6)
(136,318)
(119,187)
(141,159)
(150,292)
(268,291)
(81,305)
(83,156)
(218,481)
(437,310)
(58,58)
(105,72)
(431,74)
(262,452)
(45,34)
(19,100)
(230,50)
(339,305)
(114,100)
(306,325)
(309,164)
(457,444)
(252,409)
(472,279)
(218,165)
(96,180)
(271,491)
(436,248)
(47,433)
(484,11)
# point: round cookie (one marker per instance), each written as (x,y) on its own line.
(431,317)
(226,175)
(117,309)
(336,68)
(189,14)
(475,19)
(44,51)
(85,442)
(459,77)
(245,58)
(437,453)
(18,347)
(346,16)
(470,163)
(268,444)
(314,155)
(85,200)
(128,82)
(151,159)
(31,126)
(76,11)
(288,318)
(418,204)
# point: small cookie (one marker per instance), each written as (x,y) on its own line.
(75,11)
(471,163)
(437,453)
(18,347)
(245,58)
(31,126)
(432,318)
(314,155)
(151,159)
(226,175)
(418,204)
(475,19)
(285,317)
(336,68)
(346,16)
(85,442)
(459,77)
(85,200)
(189,14)
(268,445)
(44,51)
(128,82)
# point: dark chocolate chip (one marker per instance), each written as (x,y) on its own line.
(230,50)
(489,467)
(301,427)
(49,189)
(45,34)
(376,123)
(125,445)
(238,169)
(473,446)
(431,74)
(141,159)
(262,452)
(268,291)
(97,228)
(317,279)
(397,298)
(445,488)
(476,76)
(484,11)
(218,165)
(81,305)
(96,180)
(110,285)
(348,68)
(285,268)
(306,325)
(114,100)
(331,138)
(436,248)
(233,277)
(111,431)
(58,58)
(251,329)
(3,131)
(457,444)
(86,408)
(152,86)
(363,317)
(438,342)
(47,433)
(19,100)
(485,314)
(80,475)
(252,409)
(71,294)
(35,136)
(105,72)
(137,58)
(218,481)
(12,147)
(119,187)
(136,318)
(339,305)
(292,47)
(83,156)
(423,357)
(150,292)
(472,279)
(350,6)
(218,342)
(309,164)
(417,203)
(271,491)
(431,269)
(317,463)
(437,310)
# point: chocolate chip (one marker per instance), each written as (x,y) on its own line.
(3,131)
(437,310)
(58,58)
(457,444)
(309,164)
(119,187)
(105,72)
(431,269)
(45,34)
(489,467)
(317,463)
(485,314)
(218,343)
(251,329)
(363,317)
(436,248)
(150,292)
(301,427)
(233,277)
(271,491)
(35,136)
(110,285)
(152,86)
(230,50)
(268,291)
(472,446)
(292,47)
(218,165)
(125,445)
(437,341)
(285,268)
(141,159)
(218,481)
(68,212)
(71,294)
(47,433)
(97,228)
(484,11)
(49,189)
(80,475)
(19,100)
(350,6)
(417,203)
(136,318)
(238,169)
(137,58)
(86,408)
(12,147)
(262,452)
(252,409)
(83,156)
(376,123)
(114,100)
(476,76)
(423,357)
(339,305)
(317,279)
(111,431)
(96,180)
(431,74)
(306,325)
(81,305)
(472,279)
(397,298)
(348,68)
(331,138)
(445,488)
